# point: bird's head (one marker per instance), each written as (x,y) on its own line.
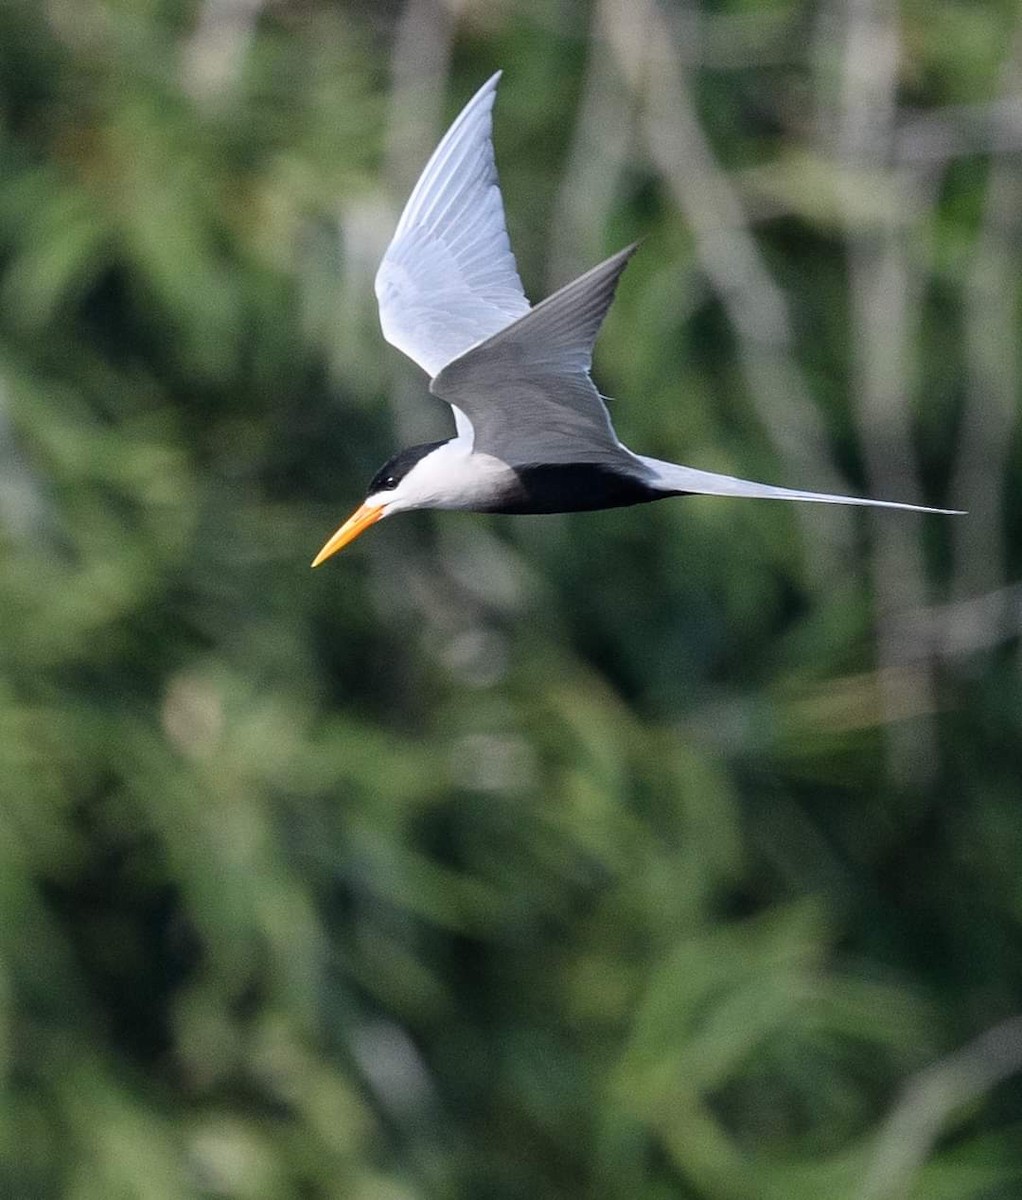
(437,475)
(408,480)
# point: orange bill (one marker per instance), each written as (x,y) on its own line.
(357,523)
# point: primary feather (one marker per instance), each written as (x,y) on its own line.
(448,279)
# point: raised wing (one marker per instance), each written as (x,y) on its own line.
(448,279)
(527,389)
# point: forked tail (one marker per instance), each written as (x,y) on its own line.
(707,483)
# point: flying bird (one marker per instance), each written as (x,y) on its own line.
(533,434)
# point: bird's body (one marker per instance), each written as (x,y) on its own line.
(462,478)
(533,433)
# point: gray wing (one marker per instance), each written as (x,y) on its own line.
(448,279)
(527,389)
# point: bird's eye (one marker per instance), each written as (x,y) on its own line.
(388,483)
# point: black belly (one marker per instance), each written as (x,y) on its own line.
(576,487)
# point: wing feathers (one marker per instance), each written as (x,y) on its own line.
(527,389)
(560,332)
(448,279)
(557,335)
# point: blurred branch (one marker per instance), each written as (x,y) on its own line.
(965,627)
(885,304)
(420,66)
(644,45)
(931,1098)
(955,131)
(721,41)
(24,508)
(213,55)
(991,297)
(600,149)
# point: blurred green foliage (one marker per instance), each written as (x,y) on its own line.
(669,852)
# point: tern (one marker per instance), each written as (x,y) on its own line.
(533,434)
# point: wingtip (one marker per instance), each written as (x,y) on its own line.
(483,97)
(491,84)
(623,255)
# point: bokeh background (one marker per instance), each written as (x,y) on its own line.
(667,852)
